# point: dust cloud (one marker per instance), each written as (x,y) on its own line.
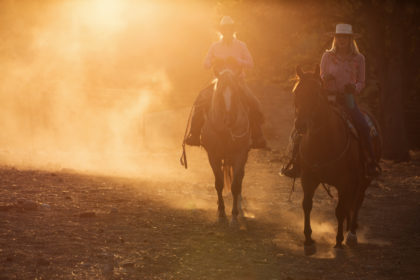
(97,85)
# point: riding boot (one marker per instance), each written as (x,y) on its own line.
(294,171)
(372,167)
(197,121)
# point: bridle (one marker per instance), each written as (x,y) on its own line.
(234,88)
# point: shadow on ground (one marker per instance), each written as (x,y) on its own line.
(72,226)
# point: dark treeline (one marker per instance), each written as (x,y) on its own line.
(282,34)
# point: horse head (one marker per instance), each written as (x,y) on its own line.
(226,99)
(226,88)
(308,97)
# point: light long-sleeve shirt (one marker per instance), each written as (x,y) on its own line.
(349,70)
(224,49)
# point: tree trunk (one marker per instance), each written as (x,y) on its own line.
(394,132)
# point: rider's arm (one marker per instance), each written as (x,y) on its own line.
(360,78)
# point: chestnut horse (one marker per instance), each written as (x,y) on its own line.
(226,138)
(330,154)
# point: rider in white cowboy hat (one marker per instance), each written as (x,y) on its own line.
(228,53)
(343,72)
(344,29)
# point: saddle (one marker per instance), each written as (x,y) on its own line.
(349,122)
(373,130)
(340,110)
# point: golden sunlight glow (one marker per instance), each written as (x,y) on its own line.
(114,15)
(103,14)
(91,80)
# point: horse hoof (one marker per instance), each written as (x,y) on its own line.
(234,223)
(338,246)
(242,224)
(309,242)
(309,249)
(351,239)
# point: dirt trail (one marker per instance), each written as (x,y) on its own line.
(72,226)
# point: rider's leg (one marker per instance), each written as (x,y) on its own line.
(256,117)
(197,121)
(197,118)
(364,130)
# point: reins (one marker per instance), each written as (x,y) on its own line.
(240,135)
(183,158)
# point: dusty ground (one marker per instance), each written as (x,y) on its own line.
(69,225)
(72,226)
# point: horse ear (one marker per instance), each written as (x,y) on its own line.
(317,71)
(299,71)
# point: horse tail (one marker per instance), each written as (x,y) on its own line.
(227,177)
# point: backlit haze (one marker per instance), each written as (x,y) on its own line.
(89,85)
(107,85)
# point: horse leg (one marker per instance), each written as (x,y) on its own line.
(220,203)
(236,193)
(341,212)
(351,239)
(309,186)
(238,175)
(218,183)
(240,209)
(349,219)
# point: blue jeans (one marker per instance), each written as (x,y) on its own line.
(359,121)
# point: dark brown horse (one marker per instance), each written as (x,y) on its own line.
(329,154)
(226,138)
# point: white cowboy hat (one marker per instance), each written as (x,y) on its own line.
(226,20)
(343,29)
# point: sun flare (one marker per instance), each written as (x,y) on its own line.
(102,14)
